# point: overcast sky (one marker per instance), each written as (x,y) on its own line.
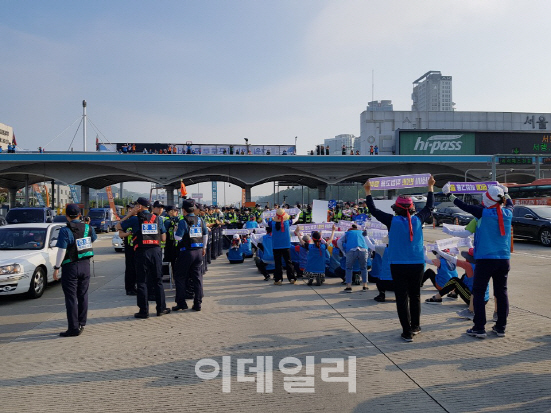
(220,71)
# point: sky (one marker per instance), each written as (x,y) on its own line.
(220,71)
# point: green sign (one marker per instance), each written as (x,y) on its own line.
(436,143)
(516,160)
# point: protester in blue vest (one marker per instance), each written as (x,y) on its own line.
(281,242)
(445,271)
(316,257)
(251,223)
(406,254)
(246,247)
(492,249)
(356,250)
(265,253)
(382,272)
(234,254)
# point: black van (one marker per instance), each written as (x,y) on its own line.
(31,215)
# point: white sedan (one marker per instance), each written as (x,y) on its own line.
(118,243)
(27,257)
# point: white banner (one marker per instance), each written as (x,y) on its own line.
(271,213)
(319,211)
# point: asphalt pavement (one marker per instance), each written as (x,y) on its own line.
(204,361)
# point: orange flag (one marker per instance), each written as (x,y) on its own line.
(183,190)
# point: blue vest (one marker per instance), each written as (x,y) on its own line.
(400,248)
(294,254)
(281,239)
(303,256)
(469,284)
(316,258)
(444,274)
(385,274)
(246,248)
(376,266)
(488,242)
(355,239)
(268,254)
(234,254)
(251,224)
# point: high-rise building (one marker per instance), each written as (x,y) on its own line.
(432,92)
(335,144)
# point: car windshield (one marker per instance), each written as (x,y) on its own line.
(543,212)
(60,218)
(25,216)
(456,210)
(97,214)
(22,238)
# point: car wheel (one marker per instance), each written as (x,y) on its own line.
(38,283)
(545,237)
(119,249)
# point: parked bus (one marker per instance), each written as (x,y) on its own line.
(535,193)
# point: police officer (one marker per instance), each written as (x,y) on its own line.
(193,236)
(75,250)
(171,247)
(129,265)
(149,232)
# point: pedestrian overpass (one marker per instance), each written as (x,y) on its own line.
(100,169)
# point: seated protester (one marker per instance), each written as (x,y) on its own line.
(334,260)
(295,258)
(234,255)
(302,250)
(246,247)
(384,280)
(316,258)
(463,286)
(251,223)
(444,273)
(376,263)
(266,262)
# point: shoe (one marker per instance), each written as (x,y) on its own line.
(277,283)
(365,288)
(433,300)
(453,296)
(476,333)
(310,281)
(196,308)
(407,337)
(499,333)
(81,329)
(266,278)
(348,290)
(180,307)
(141,315)
(466,313)
(415,330)
(343,283)
(293,281)
(163,312)
(132,292)
(71,333)
(380,298)
(494,317)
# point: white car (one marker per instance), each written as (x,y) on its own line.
(27,257)
(118,244)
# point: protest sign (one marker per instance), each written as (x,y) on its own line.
(319,211)
(399,182)
(470,187)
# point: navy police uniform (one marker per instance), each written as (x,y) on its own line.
(147,229)
(191,230)
(76,238)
